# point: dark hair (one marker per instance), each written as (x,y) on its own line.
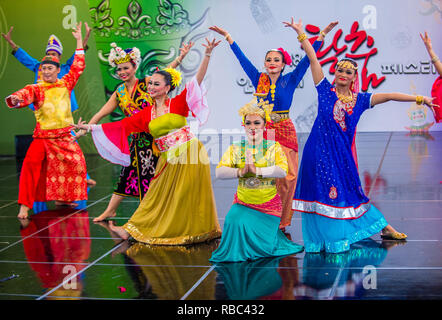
(167,78)
(282,56)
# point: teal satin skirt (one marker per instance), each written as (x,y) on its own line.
(250,234)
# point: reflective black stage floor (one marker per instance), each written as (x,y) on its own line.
(401,173)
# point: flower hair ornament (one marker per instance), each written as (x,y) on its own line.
(286,56)
(259,107)
(118,55)
(175,75)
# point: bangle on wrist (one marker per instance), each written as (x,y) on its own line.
(302,37)
(419,99)
(227,35)
(434,59)
(208,55)
(323,34)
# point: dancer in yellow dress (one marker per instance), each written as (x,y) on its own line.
(179,207)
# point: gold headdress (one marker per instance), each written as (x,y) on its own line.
(118,55)
(347,64)
(175,75)
(261,108)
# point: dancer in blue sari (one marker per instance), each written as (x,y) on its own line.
(335,210)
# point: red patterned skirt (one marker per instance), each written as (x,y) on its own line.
(54,169)
(284,132)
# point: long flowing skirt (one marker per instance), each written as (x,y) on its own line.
(321,233)
(134,179)
(250,234)
(179,207)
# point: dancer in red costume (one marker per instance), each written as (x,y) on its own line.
(54,167)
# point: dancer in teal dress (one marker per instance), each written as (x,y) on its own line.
(335,211)
(251,229)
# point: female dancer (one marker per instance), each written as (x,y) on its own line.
(251,228)
(131,96)
(179,207)
(335,210)
(436,91)
(278,89)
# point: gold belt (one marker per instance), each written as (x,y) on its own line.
(278,117)
(256,183)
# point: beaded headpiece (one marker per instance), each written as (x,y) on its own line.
(118,55)
(348,64)
(353,65)
(54,44)
(255,106)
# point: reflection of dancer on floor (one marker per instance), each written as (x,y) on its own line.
(278,89)
(335,210)
(54,167)
(132,96)
(53,48)
(179,207)
(436,91)
(251,229)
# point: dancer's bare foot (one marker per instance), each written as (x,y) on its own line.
(91,182)
(390,233)
(123,234)
(24,212)
(105,215)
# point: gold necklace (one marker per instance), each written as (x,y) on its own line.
(344,98)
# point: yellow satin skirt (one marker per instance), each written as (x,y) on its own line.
(179,207)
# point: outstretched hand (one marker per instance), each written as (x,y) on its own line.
(15,100)
(427,40)
(77,31)
(185,49)
(295,26)
(7,36)
(429,103)
(210,45)
(330,27)
(82,128)
(219,30)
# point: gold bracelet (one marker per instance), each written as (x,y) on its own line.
(302,37)
(323,34)
(178,60)
(419,99)
(227,35)
(434,59)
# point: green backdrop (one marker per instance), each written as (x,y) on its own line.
(156,27)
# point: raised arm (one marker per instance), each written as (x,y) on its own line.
(78,65)
(8,39)
(205,63)
(248,67)
(434,58)
(378,98)
(106,110)
(183,52)
(315,66)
